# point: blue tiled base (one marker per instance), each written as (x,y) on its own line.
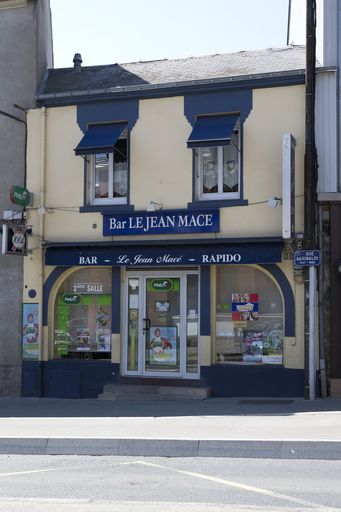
(67,379)
(261,381)
(85,379)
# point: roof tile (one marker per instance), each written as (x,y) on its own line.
(244,63)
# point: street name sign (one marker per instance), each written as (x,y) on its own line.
(307,258)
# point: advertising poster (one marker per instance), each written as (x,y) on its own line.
(103,338)
(253,346)
(30,339)
(163,345)
(62,342)
(244,307)
(273,347)
(83,339)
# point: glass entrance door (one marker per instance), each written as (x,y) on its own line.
(162,325)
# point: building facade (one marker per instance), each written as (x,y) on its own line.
(25,53)
(159,247)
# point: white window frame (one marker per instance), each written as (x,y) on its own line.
(217,195)
(105,200)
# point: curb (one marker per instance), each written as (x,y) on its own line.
(276,449)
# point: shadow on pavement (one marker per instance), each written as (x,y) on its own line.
(16,407)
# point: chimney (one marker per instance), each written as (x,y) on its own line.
(77,61)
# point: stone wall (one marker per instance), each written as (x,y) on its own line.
(10,380)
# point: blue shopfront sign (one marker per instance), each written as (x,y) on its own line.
(219,254)
(161,222)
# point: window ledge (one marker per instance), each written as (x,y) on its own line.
(107,208)
(219,203)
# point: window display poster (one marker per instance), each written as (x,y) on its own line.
(253,346)
(273,347)
(163,345)
(103,338)
(83,339)
(62,342)
(244,307)
(102,317)
(30,337)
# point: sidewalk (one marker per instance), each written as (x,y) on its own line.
(218,427)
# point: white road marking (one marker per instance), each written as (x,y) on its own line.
(27,472)
(15,473)
(243,487)
(150,505)
(45,505)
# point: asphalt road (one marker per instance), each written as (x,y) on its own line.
(103,484)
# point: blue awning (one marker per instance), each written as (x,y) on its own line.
(212,131)
(100,138)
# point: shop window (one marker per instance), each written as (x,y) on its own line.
(82,321)
(249,317)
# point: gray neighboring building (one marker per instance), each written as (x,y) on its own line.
(25,53)
(328,107)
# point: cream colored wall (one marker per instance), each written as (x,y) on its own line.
(33,259)
(161,164)
(65,180)
(64,176)
(275,111)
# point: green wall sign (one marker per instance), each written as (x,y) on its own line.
(19,195)
(163,284)
(72,298)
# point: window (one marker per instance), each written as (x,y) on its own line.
(109,175)
(249,317)
(218,171)
(82,315)
(105,149)
(216,144)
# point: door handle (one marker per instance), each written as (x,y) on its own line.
(146,326)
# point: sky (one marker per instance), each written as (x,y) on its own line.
(110,31)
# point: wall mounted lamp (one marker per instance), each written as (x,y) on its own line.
(274,201)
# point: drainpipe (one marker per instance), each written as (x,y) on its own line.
(41,242)
(323,377)
(310,175)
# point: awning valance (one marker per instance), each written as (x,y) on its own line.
(212,131)
(159,255)
(100,138)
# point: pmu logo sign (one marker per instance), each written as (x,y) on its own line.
(162,284)
(72,298)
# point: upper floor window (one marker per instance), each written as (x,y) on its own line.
(109,175)
(105,148)
(216,144)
